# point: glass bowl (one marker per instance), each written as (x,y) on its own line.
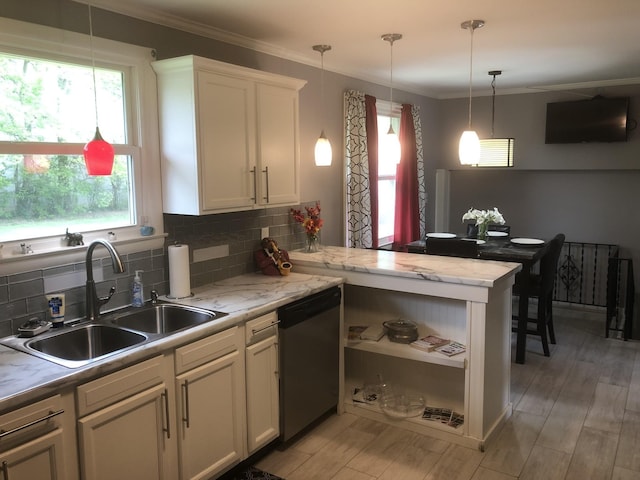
(401,405)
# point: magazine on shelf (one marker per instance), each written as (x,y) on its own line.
(452,348)
(429,343)
(443,415)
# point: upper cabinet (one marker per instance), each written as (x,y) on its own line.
(229,134)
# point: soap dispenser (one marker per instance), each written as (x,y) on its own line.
(137,292)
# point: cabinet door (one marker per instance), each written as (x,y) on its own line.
(278,155)
(226,141)
(39,459)
(262,393)
(211,407)
(127,440)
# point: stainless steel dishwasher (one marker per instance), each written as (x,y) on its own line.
(309,341)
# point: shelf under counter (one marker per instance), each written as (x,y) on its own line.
(402,350)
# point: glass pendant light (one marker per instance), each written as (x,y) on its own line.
(469,148)
(391,142)
(323,153)
(98,154)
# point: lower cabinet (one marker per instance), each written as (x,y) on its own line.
(126,432)
(38,441)
(263,406)
(211,404)
(32,443)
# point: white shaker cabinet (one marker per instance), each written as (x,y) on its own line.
(32,443)
(229,136)
(211,404)
(124,428)
(263,406)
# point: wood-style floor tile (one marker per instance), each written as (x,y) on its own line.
(628,455)
(594,455)
(607,410)
(545,464)
(457,462)
(514,444)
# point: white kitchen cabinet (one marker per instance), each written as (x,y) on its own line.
(229,136)
(263,405)
(124,428)
(32,442)
(210,392)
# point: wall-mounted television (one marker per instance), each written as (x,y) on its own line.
(599,119)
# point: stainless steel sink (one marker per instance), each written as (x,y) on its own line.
(164,318)
(79,345)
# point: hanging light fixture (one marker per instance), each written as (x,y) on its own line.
(495,152)
(469,148)
(98,154)
(323,153)
(391,142)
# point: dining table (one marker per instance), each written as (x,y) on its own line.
(525,251)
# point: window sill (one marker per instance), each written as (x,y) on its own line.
(12,261)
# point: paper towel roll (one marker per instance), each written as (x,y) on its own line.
(179,279)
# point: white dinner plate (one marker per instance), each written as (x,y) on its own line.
(441,235)
(527,241)
(492,233)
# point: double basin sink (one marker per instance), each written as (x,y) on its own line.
(116,332)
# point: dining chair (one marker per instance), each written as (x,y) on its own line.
(541,287)
(451,247)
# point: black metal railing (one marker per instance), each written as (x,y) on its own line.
(594,274)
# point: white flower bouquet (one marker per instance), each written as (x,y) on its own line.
(484,216)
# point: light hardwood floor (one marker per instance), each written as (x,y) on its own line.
(576,416)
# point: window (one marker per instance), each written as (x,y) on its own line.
(47,106)
(47,115)
(386,180)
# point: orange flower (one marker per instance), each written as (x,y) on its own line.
(312,223)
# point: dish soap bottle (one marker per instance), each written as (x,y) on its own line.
(137,292)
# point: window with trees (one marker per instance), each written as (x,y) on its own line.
(386,183)
(47,115)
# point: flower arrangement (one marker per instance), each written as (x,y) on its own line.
(483,218)
(312,224)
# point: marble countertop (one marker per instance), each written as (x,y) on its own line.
(465,271)
(25,378)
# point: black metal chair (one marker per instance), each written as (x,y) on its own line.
(451,247)
(541,287)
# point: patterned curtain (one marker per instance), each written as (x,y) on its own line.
(359,225)
(361,231)
(422,189)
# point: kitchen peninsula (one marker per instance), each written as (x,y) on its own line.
(464,300)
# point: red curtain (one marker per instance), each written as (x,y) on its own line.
(372,147)
(407,213)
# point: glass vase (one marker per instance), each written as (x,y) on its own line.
(482,230)
(313,244)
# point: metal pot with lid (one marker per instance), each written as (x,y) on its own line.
(401,331)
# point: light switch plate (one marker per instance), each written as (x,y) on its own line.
(264,233)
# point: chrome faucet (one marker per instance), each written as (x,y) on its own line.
(93,302)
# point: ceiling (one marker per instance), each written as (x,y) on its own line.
(538,45)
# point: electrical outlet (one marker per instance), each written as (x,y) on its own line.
(264,233)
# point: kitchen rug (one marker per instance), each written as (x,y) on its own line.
(253,473)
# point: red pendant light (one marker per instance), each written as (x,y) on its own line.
(98,154)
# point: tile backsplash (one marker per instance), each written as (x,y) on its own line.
(22,296)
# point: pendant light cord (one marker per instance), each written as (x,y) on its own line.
(493,103)
(93,65)
(391,79)
(471,28)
